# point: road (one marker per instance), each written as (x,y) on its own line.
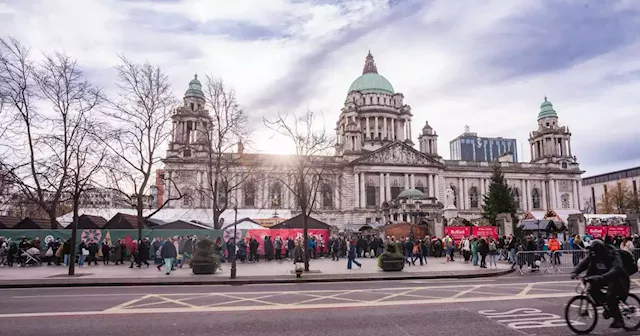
(510,305)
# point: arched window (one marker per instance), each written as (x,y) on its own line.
(473,197)
(275,196)
(516,197)
(395,189)
(249,194)
(223,192)
(455,195)
(327,195)
(565,200)
(420,186)
(535,198)
(370,190)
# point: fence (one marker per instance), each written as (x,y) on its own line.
(562,261)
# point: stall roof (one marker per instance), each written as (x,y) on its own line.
(245,224)
(124,221)
(7,222)
(33,224)
(88,222)
(561,215)
(296,223)
(182,225)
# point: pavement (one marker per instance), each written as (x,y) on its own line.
(506,305)
(321,270)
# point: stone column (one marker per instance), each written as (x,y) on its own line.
(460,194)
(376,129)
(409,128)
(387,185)
(577,191)
(336,193)
(412,181)
(385,130)
(363,195)
(356,191)
(406,181)
(393,129)
(552,194)
(381,189)
(524,196)
(368,135)
(435,186)
(574,195)
(430,185)
(543,195)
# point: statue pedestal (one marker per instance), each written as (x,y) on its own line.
(449,213)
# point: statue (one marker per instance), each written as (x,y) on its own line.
(451,196)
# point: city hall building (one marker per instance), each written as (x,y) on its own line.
(377,157)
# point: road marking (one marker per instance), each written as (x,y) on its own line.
(117,310)
(70,295)
(465,292)
(128,303)
(526,318)
(526,290)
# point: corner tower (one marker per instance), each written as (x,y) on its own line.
(551,143)
(376,109)
(428,140)
(190,124)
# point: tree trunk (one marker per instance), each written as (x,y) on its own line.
(74,238)
(305,232)
(52,219)
(140,218)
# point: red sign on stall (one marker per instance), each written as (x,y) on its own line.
(457,233)
(617,230)
(260,234)
(597,231)
(486,231)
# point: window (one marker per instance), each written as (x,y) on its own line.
(516,197)
(371,195)
(186,153)
(223,192)
(192,107)
(473,197)
(395,189)
(275,195)
(535,198)
(420,186)
(249,194)
(455,195)
(566,204)
(327,196)
(564,165)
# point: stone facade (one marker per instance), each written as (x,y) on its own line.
(375,160)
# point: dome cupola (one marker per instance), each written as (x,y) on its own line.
(195,89)
(371,81)
(546,110)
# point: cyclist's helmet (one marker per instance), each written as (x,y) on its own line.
(598,249)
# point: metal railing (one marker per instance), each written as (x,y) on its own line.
(562,261)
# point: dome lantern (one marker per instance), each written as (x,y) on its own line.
(195,89)
(546,110)
(370,81)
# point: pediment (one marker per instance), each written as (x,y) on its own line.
(397,154)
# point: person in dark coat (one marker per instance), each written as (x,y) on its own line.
(145,247)
(169,254)
(268,248)
(253,250)
(93,252)
(483,249)
(231,249)
(106,252)
(291,245)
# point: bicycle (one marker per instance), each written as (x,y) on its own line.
(588,306)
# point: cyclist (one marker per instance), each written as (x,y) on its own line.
(605,268)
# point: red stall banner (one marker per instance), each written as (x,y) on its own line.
(457,233)
(619,230)
(260,234)
(486,231)
(597,231)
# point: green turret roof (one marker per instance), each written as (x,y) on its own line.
(195,89)
(371,81)
(546,110)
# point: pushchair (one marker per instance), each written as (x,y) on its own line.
(30,257)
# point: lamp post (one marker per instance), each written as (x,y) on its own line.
(235,245)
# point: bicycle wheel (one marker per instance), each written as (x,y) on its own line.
(630,310)
(585,307)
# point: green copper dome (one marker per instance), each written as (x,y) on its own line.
(546,110)
(195,89)
(371,81)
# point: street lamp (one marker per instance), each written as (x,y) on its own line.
(235,235)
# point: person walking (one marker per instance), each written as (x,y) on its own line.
(169,254)
(493,252)
(106,252)
(351,255)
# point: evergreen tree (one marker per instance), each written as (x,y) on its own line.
(499,199)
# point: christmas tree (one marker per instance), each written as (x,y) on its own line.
(499,199)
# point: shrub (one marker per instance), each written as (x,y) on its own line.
(205,253)
(390,253)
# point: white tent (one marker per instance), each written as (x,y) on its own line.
(203,216)
(245,224)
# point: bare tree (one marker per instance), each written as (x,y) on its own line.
(226,128)
(88,156)
(141,115)
(313,171)
(47,134)
(587,206)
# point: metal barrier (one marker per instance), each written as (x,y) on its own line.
(553,261)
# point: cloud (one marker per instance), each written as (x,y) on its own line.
(487,64)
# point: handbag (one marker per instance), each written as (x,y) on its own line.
(49,252)
(85,252)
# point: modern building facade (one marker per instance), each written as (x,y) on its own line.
(471,147)
(594,187)
(375,161)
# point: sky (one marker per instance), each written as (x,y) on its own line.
(486,64)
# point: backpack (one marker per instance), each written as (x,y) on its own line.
(628,262)
(492,246)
